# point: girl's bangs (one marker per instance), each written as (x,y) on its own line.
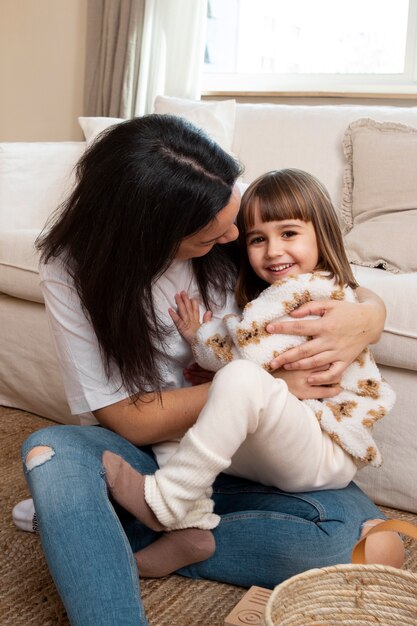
(276,207)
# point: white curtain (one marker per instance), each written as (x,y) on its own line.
(172,52)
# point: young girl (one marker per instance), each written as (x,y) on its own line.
(251,425)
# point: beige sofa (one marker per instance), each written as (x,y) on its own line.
(34,177)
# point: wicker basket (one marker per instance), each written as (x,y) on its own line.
(353,595)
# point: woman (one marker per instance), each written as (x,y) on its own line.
(154,202)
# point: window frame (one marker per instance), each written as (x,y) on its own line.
(322,85)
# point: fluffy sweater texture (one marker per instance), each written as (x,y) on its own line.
(365,397)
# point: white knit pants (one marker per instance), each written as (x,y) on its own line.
(253,427)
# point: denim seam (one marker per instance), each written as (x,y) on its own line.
(301,496)
(267,515)
(132,562)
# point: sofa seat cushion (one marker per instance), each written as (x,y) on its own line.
(398,344)
(19,276)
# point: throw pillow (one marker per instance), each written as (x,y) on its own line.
(379,206)
(93,126)
(217,118)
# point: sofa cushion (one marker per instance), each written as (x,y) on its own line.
(34,178)
(19,276)
(398,344)
(380,194)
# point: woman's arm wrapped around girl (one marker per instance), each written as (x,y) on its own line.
(365,397)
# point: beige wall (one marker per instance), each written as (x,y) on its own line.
(42,50)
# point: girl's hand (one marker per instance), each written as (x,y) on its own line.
(196,375)
(299,385)
(187,316)
(342,332)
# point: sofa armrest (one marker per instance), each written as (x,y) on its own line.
(19,275)
(34,178)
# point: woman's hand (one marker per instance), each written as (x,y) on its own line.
(342,331)
(196,375)
(299,385)
(187,316)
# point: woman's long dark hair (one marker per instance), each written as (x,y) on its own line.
(141,188)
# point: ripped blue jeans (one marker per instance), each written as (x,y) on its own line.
(265,535)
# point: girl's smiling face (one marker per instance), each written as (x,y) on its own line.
(279,248)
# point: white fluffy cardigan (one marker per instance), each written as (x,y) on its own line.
(347,417)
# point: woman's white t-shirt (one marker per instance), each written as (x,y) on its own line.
(86,384)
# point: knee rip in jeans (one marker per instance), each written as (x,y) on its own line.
(368,524)
(38,456)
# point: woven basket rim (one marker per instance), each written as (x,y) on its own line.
(325,571)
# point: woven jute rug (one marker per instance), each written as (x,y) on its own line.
(27,593)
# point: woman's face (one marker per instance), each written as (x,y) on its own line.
(221,229)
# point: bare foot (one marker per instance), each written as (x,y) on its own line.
(174,550)
(126,486)
(385,548)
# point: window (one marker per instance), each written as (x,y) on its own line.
(311,46)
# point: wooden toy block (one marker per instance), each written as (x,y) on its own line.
(250,609)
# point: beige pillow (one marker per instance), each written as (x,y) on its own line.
(379,206)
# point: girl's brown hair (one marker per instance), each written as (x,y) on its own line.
(291,194)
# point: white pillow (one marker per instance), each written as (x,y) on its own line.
(93,126)
(217,119)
